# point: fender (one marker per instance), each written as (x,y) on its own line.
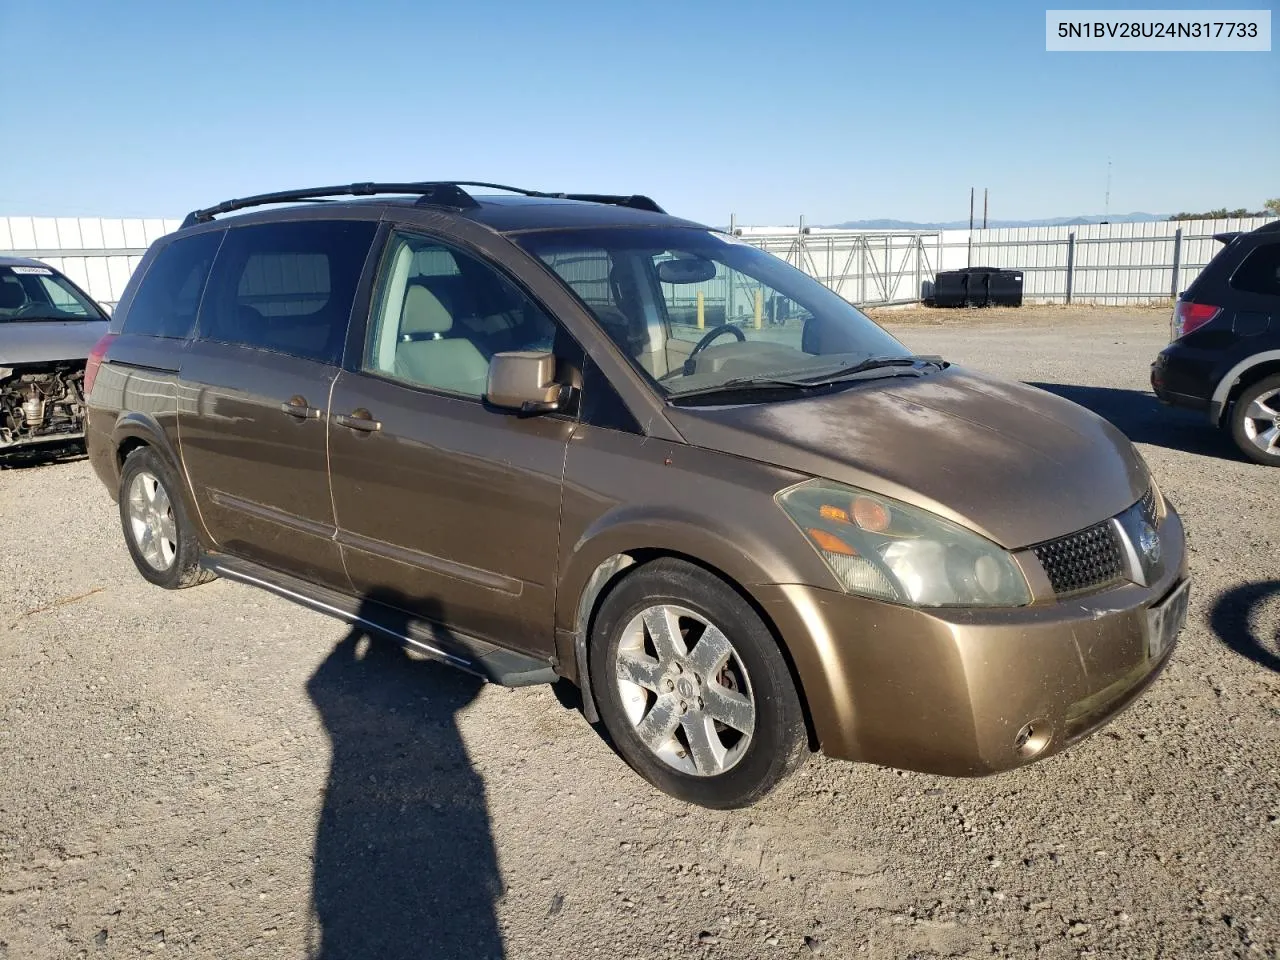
(142,426)
(746,555)
(1218,404)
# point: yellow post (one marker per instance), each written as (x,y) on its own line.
(702,314)
(759,307)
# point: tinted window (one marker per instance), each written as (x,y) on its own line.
(287,287)
(169,296)
(1260,272)
(441,314)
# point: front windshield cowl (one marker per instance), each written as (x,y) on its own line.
(699,312)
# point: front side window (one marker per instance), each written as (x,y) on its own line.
(697,310)
(1260,272)
(169,295)
(441,314)
(40,293)
(287,287)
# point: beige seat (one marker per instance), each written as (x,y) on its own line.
(426,354)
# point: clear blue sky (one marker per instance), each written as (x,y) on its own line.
(829,108)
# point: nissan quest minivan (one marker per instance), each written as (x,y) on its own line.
(542,436)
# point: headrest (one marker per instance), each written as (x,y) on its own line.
(12,295)
(423,312)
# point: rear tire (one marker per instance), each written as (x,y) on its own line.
(153,516)
(1255,422)
(692,687)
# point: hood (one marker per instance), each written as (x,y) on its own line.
(38,341)
(1011,462)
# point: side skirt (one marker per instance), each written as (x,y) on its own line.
(486,660)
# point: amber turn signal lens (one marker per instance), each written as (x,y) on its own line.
(829,512)
(870,514)
(831,543)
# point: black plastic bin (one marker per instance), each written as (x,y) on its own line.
(948,288)
(1004,288)
(978,287)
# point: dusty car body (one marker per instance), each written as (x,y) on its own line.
(544,437)
(47,328)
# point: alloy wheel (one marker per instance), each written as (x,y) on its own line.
(685,690)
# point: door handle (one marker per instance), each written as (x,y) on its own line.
(299,408)
(359,419)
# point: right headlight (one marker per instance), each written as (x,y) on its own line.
(883,548)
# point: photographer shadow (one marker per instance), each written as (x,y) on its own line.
(405,865)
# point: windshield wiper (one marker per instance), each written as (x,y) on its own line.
(880,363)
(872,368)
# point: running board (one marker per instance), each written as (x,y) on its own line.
(478,657)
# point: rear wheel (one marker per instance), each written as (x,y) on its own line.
(1255,422)
(160,538)
(693,688)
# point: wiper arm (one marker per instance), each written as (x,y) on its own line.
(867,369)
(739,384)
(879,363)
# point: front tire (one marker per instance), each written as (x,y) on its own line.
(159,535)
(692,687)
(1255,422)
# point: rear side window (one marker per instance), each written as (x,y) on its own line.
(1260,272)
(287,287)
(169,296)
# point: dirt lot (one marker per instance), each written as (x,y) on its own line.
(217,773)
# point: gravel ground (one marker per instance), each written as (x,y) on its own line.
(216,773)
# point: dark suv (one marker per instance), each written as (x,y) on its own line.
(1225,354)
(542,437)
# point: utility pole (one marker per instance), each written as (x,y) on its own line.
(969,255)
(984,208)
(1106,203)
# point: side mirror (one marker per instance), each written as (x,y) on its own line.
(525,380)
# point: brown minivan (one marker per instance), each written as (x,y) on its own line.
(569,436)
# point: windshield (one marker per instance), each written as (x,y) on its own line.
(38,293)
(697,310)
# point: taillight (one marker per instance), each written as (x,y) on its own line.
(1188,316)
(95,361)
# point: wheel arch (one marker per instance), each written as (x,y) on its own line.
(1240,378)
(134,430)
(609,573)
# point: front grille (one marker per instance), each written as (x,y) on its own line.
(1080,561)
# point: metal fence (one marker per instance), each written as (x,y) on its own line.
(1110,263)
(1116,263)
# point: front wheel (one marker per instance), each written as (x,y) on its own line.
(693,688)
(1255,422)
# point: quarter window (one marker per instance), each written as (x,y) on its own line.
(441,314)
(287,287)
(1260,272)
(169,295)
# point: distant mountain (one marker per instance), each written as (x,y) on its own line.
(962,224)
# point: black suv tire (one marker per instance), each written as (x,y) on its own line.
(174,563)
(777,744)
(1240,426)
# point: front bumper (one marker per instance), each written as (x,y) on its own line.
(947,691)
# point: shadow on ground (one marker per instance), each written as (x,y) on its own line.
(1231,616)
(1144,419)
(41,456)
(405,865)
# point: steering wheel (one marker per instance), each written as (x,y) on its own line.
(27,308)
(715,332)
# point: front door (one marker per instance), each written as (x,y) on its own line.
(447,508)
(253,404)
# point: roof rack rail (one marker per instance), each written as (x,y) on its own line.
(442,193)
